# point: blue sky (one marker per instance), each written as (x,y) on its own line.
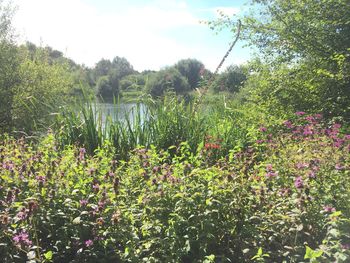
(150,34)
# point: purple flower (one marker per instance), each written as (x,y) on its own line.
(82,152)
(288,124)
(307,130)
(339,167)
(22,239)
(40,178)
(300,113)
(299,183)
(302,165)
(312,174)
(345,246)
(89,243)
(318,116)
(271,174)
(262,129)
(83,202)
(336,126)
(269,167)
(328,209)
(23,214)
(96,187)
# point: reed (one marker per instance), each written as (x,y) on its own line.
(163,124)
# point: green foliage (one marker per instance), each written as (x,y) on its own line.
(191,69)
(159,123)
(106,87)
(271,202)
(43,87)
(231,80)
(304,51)
(108,74)
(166,80)
(9,66)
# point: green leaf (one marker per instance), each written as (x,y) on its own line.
(77,220)
(48,255)
(312,254)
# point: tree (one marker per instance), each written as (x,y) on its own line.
(9,67)
(165,80)
(231,80)
(102,68)
(305,46)
(191,69)
(42,89)
(122,67)
(105,89)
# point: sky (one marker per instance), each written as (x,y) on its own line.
(150,34)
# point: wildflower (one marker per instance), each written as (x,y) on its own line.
(336,126)
(22,239)
(302,165)
(338,143)
(310,119)
(339,167)
(89,243)
(345,246)
(307,130)
(318,116)
(22,214)
(288,124)
(312,174)
(299,183)
(41,179)
(328,209)
(262,129)
(82,152)
(300,113)
(271,174)
(96,187)
(269,167)
(83,202)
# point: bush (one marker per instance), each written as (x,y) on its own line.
(285,198)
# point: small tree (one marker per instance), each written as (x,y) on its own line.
(191,69)
(167,80)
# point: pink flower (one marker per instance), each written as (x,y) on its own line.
(328,209)
(300,113)
(271,174)
(302,165)
(22,239)
(312,174)
(262,129)
(83,202)
(288,124)
(339,167)
(299,183)
(89,243)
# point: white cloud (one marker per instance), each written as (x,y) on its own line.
(87,35)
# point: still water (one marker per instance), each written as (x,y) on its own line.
(121,111)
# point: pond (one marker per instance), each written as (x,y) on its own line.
(121,111)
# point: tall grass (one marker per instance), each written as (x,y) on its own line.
(160,123)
